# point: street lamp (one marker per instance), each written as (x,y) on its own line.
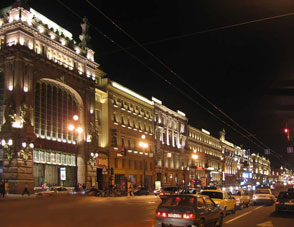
(195,157)
(7,147)
(26,150)
(93,159)
(144,145)
(74,127)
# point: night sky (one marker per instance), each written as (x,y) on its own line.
(246,71)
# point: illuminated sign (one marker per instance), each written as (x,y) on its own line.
(62,173)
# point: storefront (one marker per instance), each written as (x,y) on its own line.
(54,168)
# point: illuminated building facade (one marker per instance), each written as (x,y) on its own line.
(46,79)
(129,129)
(170,142)
(207,166)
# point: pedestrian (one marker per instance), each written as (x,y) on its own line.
(2,188)
(131,191)
(25,190)
(6,187)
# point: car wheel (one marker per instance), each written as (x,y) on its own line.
(234,210)
(247,204)
(201,223)
(225,211)
(220,221)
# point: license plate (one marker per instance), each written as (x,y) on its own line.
(289,203)
(174,215)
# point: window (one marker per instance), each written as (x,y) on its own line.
(115,162)
(123,163)
(200,203)
(209,204)
(130,164)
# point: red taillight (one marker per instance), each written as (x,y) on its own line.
(161,214)
(271,197)
(164,214)
(188,216)
(278,202)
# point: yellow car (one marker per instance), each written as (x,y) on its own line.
(223,199)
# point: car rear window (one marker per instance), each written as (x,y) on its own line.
(213,195)
(175,201)
(262,192)
(286,195)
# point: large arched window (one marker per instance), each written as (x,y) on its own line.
(55,107)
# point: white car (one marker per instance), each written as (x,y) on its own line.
(263,196)
(242,198)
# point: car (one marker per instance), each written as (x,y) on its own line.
(167,191)
(141,191)
(223,198)
(189,191)
(242,198)
(285,201)
(263,196)
(156,191)
(188,210)
(93,192)
(45,192)
(60,190)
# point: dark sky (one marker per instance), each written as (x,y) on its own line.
(240,69)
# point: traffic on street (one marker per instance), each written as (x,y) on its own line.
(129,211)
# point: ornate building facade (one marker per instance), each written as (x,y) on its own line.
(170,143)
(46,80)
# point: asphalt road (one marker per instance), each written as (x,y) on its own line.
(114,212)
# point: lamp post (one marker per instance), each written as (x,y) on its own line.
(27,149)
(93,159)
(195,157)
(144,145)
(7,148)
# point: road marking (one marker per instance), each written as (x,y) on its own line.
(266,224)
(242,215)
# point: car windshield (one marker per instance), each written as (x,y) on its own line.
(236,193)
(286,195)
(213,195)
(178,201)
(262,192)
(170,189)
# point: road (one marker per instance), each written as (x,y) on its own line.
(114,212)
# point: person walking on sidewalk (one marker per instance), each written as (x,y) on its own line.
(2,188)
(25,190)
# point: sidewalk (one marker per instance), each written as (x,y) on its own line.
(16,196)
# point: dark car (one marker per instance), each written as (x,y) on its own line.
(285,201)
(93,192)
(188,210)
(167,191)
(141,191)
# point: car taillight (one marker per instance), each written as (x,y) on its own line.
(271,197)
(278,202)
(188,216)
(161,214)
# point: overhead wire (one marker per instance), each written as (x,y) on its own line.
(152,70)
(197,33)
